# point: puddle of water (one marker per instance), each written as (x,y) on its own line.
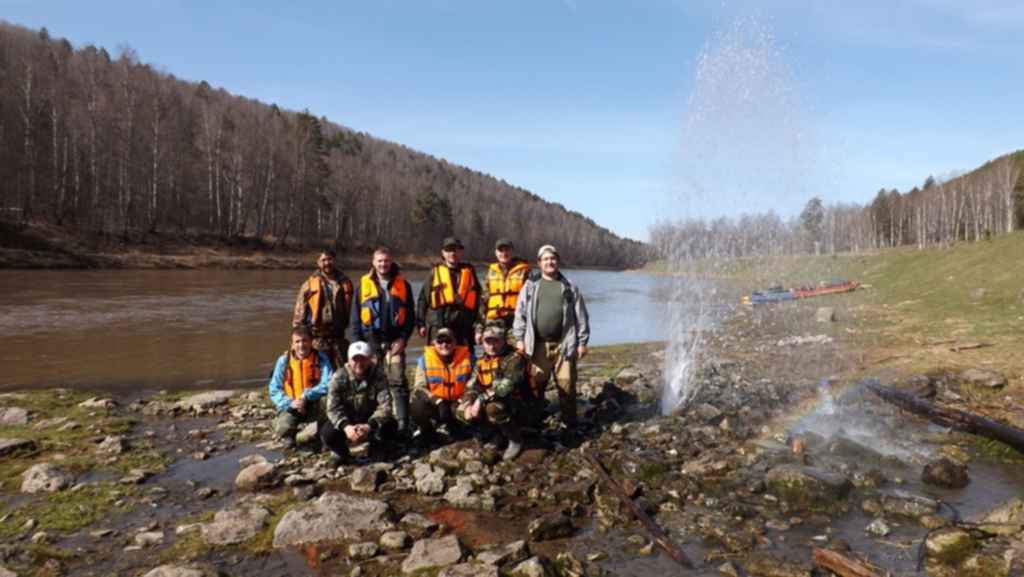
(219,471)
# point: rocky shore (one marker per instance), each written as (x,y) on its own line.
(770,471)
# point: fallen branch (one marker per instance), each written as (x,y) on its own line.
(656,533)
(952,418)
(968,346)
(841,565)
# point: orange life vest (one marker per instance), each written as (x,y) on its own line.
(300,375)
(447,381)
(369,303)
(316,299)
(503,289)
(442,291)
(485,369)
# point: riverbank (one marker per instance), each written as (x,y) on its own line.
(779,453)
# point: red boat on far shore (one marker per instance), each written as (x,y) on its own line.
(826,289)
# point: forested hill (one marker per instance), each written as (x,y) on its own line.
(102,144)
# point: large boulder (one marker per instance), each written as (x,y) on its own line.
(205,401)
(808,488)
(45,478)
(233,526)
(12,446)
(13,416)
(430,554)
(332,517)
(945,473)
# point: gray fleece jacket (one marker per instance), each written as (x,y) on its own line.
(575,321)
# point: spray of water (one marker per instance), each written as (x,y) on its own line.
(742,151)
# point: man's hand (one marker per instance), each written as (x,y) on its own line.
(473,411)
(422,332)
(299,405)
(521,348)
(357,433)
(581,351)
(397,347)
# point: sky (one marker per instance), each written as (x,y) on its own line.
(629,112)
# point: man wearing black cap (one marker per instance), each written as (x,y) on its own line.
(450,296)
(501,290)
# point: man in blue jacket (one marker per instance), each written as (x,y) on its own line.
(297,384)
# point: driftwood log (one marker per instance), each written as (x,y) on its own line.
(952,418)
(841,565)
(656,533)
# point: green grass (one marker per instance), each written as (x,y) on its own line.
(67,511)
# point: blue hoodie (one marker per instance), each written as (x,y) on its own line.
(281,399)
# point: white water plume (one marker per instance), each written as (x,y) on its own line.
(742,152)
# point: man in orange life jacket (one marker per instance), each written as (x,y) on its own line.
(442,374)
(297,384)
(323,304)
(496,389)
(450,296)
(383,316)
(501,288)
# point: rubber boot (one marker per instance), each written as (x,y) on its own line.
(515,441)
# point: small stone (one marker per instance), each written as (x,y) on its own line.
(101,533)
(878,528)
(469,570)
(945,473)
(417,521)
(205,492)
(260,475)
(176,571)
(205,401)
(950,545)
(394,540)
(41,537)
(45,478)
(251,460)
(430,554)
(362,551)
(13,416)
(112,445)
(366,479)
(825,315)
(98,403)
(983,378)
(532,567)
(233,526)
(550,526)
(12,446)
(429,480)
(149,539)
(510,554)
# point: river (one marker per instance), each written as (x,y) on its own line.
(144,329)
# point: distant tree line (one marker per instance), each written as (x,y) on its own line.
(109,145)
(984,202)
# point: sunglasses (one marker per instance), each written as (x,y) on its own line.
(443,341)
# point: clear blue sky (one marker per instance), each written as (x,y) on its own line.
(583,102)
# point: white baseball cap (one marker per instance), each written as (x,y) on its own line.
(359,349)
(547,248)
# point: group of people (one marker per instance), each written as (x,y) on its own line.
(346,366)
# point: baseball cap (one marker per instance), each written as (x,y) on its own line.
(359,349)
(451,241)
(502,243)
(547,248)
(444,332)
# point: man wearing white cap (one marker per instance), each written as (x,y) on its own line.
(552,329)
(358,405)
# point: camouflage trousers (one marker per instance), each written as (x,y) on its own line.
(547,365)
(288,422)
(336,349)
(398,382)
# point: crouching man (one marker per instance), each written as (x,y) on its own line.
(494,394)
(298,383)
(358,406)
(442,374)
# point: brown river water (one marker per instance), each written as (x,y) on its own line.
(146,329)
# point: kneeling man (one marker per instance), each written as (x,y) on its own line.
(358,405)
(297,384)
(495,391)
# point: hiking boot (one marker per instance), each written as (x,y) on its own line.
(512,451)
